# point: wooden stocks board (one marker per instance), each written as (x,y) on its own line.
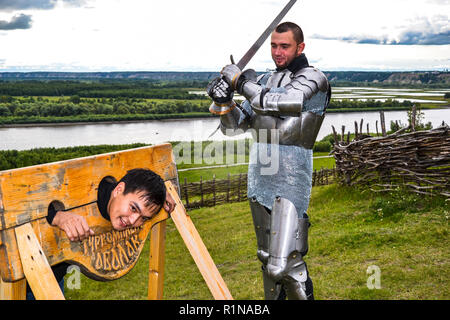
(26,193)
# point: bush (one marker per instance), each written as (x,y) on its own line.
(330,138)
(322,146)
(4,111)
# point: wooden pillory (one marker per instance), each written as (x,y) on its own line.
(29,245)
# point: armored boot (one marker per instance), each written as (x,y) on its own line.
(261,221)
(288,245)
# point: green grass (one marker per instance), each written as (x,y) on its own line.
(222,172)
(406,236)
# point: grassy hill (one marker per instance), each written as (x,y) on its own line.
(405,236)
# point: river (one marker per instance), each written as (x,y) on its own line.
(156,132)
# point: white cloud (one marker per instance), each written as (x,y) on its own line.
(199,35)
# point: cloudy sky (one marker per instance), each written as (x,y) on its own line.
(200,35)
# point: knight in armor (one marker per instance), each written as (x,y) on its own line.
(283,110)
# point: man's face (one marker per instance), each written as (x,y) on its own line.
(128,210)
(285,48)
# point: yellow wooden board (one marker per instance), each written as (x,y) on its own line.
(35,265)
(26,193)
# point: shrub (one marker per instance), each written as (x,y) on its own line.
(322,146)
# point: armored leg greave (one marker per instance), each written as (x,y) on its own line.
(282,240)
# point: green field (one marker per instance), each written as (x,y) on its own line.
(405,236)
(222,172)
(123,101)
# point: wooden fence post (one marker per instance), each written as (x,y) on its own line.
(239,188)
(228,188)
(334,135)
(214,189)
(361,126)
(383,123)
(186,196)
(201,190)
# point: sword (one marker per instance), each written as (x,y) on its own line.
(254,48)
(259,42)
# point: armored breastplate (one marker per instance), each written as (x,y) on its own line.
(301,129)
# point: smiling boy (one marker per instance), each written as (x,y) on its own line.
(137,197)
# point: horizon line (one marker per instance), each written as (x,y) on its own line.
(190,71)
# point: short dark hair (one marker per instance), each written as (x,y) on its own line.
(148,182)
(296,30)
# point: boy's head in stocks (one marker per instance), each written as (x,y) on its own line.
(138,196)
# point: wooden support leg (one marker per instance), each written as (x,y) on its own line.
(36,268)
(156,263)
(197,248)
(13,290)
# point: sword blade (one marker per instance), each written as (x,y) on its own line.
(254,48)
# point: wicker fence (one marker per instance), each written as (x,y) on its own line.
(214,192)
(418,161)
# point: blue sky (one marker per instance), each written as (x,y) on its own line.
(200,35)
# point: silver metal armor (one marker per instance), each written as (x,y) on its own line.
(291,104)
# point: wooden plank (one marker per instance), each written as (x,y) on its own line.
(26,193)
(107,255)
(156,263)
(10,265)
(13,290)
(35,265)
(197,248)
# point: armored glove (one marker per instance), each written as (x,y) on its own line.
(231,75)
(222,95)
(236,78)
(219,90)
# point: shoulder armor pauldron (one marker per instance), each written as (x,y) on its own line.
(314,75)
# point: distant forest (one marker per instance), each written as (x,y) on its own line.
(49,97)
(102,88)
(200,79)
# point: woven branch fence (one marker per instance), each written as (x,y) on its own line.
(214,192)
(418,160)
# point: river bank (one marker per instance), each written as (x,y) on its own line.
(193,129)
(67,121)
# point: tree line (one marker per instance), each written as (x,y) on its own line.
(75,106)
(95,89)
(369,104)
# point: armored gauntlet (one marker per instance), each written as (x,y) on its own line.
(222,95)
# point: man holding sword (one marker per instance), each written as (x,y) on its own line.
(290,103)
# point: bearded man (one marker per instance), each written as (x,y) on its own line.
(284,110)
